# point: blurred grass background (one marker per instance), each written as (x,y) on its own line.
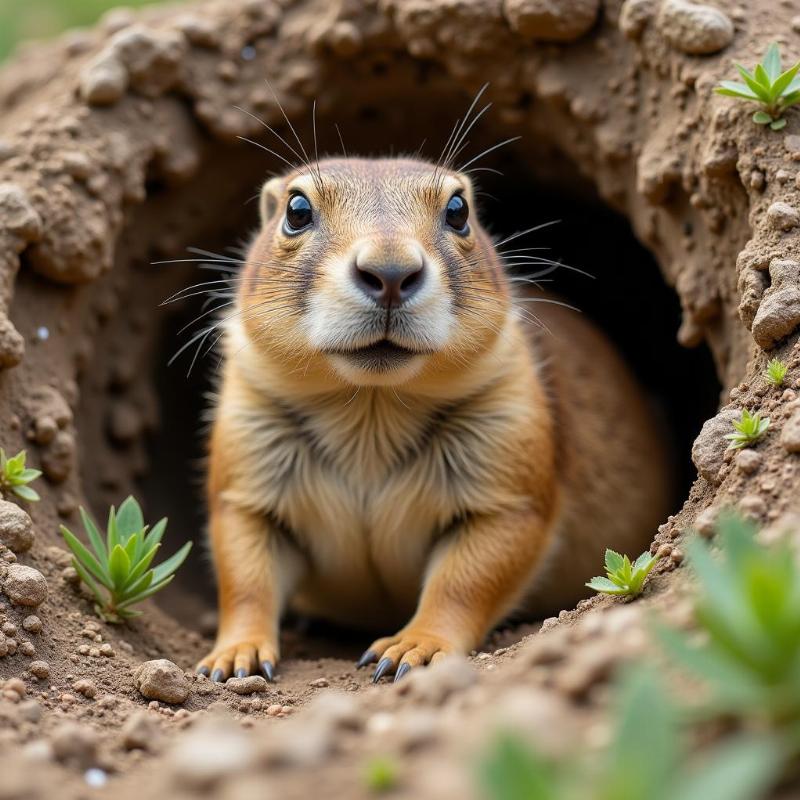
(38,19)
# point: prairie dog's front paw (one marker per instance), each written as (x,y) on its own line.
(248,656)
(407,649)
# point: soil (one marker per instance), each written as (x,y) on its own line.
(120,147)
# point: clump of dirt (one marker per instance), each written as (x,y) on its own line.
(120,146)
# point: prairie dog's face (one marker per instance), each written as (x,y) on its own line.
(374,269)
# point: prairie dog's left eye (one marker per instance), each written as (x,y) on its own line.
(457,213)
(298,213)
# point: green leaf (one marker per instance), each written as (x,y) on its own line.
(112,533)
(758,90)
(87,579)
(762,118)
(119,566)
(771,62)
(645,561)
(169,566)
(784,81)
(136,588)
(93,534)
(26,493)
(512,771)
(154,587)
(83,555)
(762,77)
(129,519)
(613,561)
(736,89)
(743,769)
(141,566)
(606,586)
(28,475)
(778,124)
(156,534)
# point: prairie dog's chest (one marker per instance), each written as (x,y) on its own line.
(369,483)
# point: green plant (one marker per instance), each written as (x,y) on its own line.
(767,85)
(623,577)
(380,775)
(648,759)
(775,373)
(749,428)
(748,613)
(14,477)
(121,563)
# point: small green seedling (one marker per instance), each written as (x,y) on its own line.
(380,775)
(14,477)
(749,428)
(121,563)
(623,577)
(775,372)
(767,85)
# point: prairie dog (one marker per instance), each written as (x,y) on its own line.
(396,444)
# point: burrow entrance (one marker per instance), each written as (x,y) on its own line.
(145,417)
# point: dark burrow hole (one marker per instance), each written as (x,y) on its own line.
(627,298)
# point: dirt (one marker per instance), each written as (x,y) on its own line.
(119,148)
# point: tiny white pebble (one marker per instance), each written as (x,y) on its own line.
(95,777)
(42,333)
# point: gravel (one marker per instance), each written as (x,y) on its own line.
(25,586)
(16,527)
(161,680)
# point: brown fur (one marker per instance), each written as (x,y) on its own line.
(487,474)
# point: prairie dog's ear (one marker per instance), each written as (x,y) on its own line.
(271,194)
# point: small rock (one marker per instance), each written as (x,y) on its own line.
(634,16)
(15,685)
(16,527)
(319,683)
(86,687)
(25,586)
(141,732)
(752,506)
(75,744)
(436,683)
(708,450)
(783,216)
(248,685)
(748,461)
(694,28)
(161,680)
(552,20)
(103,80)
(779,311)
(790,435)
(40,669)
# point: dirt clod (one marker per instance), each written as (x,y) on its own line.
(16,527)
(141,732)
(790,435)
(248,685)
(40,669)
(25,586)
(161,680)
(694,28)
(708,450)
(552,20)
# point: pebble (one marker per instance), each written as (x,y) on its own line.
(634,16)
(140,732)
(15,685)
(86,687)
(161,680)
(16,527)
(552,20)
(248,685)
(76,744)
(790,435)
(753,506)
(694,28)
(782,216)
(40,669)
(708,450)
(748,461)
(25,586)
(319,683)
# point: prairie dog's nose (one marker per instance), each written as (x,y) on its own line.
(389,284)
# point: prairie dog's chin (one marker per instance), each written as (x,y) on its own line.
(381,364)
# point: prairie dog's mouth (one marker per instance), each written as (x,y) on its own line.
(380,355)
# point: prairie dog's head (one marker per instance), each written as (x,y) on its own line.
(372,272)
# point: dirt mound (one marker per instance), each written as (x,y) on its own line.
(121,146)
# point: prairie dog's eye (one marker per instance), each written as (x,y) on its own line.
(298,213)
(457,213)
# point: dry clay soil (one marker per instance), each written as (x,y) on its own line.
(118,146)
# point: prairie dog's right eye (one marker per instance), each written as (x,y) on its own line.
(298,213)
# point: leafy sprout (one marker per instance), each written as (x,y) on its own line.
(775,372)
(748,611)
(120,563)
(380,775)
(623,578)
(14,477)
(773,89)
(647,759)
(749,428)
